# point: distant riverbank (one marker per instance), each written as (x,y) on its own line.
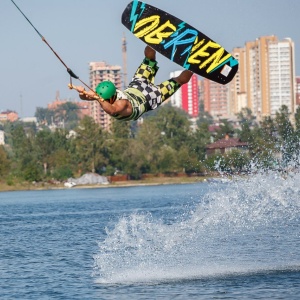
(58,185)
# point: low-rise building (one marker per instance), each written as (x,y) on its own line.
(8,116)
(226,145)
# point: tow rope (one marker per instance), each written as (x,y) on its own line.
(71,73)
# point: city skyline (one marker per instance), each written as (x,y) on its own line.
(31,75)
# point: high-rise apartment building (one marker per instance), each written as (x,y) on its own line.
(298,90)
(215,97)
(237,89)
(281,76)
(187,97)
(257,75)
(266,77)
(100,71)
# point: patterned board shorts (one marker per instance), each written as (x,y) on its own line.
(143,80)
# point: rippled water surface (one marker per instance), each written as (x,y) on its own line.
(218,240)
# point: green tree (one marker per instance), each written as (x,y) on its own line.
(217,163)
(150,139)
(247,121)
(174,125)
(62,164)
(67,114)
(283,123)
(44,115)
(188,161)
(4,162)
(262,144)
(297,120)
(167,160)
(26,164)
(53,152)
(286,134)
(198,142)
(246,116)
(89,146)
(121,129)
(297,135)
(205,117)
(224,128)
(135,159)
(116,145)
(237,161)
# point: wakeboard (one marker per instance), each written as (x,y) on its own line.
(179,42)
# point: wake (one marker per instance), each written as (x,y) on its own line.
(243,226)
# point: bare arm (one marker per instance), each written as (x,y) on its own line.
(120,107)
(85,95)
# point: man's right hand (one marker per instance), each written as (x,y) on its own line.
(83,94)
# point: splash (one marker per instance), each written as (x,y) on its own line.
(242,226)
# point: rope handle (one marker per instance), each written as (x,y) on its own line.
(74,87)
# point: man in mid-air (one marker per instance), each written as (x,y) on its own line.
(140,96)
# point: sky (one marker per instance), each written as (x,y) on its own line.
(81,31)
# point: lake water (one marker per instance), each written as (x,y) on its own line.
(236,240)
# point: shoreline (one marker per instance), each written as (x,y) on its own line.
(128,183)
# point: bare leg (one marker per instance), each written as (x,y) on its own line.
(150,53)
(184,77)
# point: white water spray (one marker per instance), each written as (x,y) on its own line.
(243,226)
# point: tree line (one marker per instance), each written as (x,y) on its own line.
(163,143)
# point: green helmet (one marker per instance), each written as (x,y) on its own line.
(106,89)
